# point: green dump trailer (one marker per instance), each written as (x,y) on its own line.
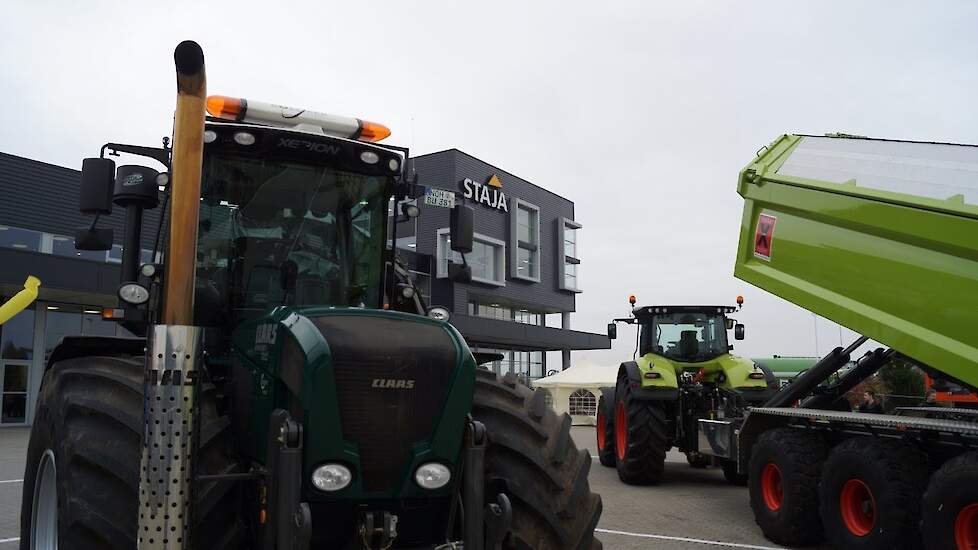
(880,236)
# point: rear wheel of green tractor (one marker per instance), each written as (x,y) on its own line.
(605,429)
(81,480)
(785,467)
(641,437)
(530,456)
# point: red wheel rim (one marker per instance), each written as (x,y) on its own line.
(858,507)
(621,430)
(966,528)
(771,486)
(602,426)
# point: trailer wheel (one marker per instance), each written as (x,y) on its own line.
(731,474)
(531,457)
(606,435)
(81,479)
(949,513)
(783,475)
(870,494)
(641,437)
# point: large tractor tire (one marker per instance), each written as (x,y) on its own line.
(81,480)
(530,456)
(641,437)
(949,512)
(605,429)
(785,467)
(870,494)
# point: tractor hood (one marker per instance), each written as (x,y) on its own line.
(728,370)
(379,391)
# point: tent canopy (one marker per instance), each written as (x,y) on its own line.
(582,374)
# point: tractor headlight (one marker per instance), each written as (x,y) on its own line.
(432,475)
(133,293)
(438,313)
(331,477)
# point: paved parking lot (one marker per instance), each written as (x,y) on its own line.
(691,509)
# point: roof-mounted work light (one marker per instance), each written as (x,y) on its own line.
(243,110)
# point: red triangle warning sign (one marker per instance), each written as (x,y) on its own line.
(764,236)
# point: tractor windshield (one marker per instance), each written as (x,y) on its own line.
(689,336)
(280,232)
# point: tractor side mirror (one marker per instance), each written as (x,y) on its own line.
(461,228)
(739,331)
(93,239)
(612,331)
(459,273)
(97,182)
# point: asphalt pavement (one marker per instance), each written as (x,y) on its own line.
(690,509)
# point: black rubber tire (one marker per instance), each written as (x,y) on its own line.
(697,460)
(642,461)
(895,473)
(531,457)
(798,455)
(605,423)
(731,475)
(90,415)
(952,488)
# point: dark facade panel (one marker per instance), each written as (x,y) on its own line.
(44,197)
(446,170)
(58,273)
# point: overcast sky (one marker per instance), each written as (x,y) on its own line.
(641,113)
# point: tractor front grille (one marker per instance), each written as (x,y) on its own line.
(392,376)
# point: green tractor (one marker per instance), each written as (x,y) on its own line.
(684,389)
(292,391)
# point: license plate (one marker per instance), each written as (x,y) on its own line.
(439,197)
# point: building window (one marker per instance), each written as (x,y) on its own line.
(486,258)
(528,365)
(527,317)
(567,242)
(20,239)
(524,241)
(490,311)
(582,403)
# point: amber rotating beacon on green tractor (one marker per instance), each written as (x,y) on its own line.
(289,389)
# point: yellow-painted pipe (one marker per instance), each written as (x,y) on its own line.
(188,151)
(20,300)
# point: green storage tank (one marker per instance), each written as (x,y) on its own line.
(880,236)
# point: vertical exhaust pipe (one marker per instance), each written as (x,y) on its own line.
(188,152)
(174,349)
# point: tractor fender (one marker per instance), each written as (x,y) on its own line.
(71,347)
(608,402)
(629,371)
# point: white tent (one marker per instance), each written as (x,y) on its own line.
(575,391)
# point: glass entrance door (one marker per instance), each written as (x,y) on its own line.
(16,357)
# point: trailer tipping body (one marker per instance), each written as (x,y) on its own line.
(879,236)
